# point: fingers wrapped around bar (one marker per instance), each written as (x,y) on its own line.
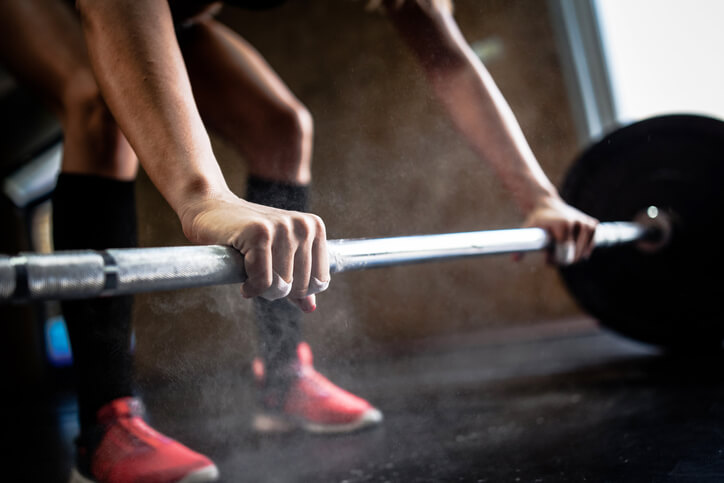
(285,252)
(572,230)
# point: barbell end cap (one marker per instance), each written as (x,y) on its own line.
(657,224)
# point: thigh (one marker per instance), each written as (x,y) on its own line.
(41,44)
(235,88)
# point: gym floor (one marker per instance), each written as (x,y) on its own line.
(557,401)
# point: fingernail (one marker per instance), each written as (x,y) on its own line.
(307,306)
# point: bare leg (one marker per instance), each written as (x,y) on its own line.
(93,207)
(242,98)
(42,45)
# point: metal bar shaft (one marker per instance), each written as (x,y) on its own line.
(89,274)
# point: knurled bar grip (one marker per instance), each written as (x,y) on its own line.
(90,274)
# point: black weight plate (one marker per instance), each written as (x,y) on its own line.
(672,297)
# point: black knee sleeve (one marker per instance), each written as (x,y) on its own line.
(93,212)
(278,322)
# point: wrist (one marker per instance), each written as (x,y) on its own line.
(542,198)
(197,193)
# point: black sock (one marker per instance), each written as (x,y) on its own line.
(93,212)
(278,322)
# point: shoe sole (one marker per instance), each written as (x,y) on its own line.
(271,423)
(203,475)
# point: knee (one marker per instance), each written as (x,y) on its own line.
(300,130)
(293,128)
(93,141)
(304,123)
(84,107)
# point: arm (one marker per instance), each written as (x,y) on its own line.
(481,114)
(140,70)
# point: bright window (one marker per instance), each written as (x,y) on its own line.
(664,56)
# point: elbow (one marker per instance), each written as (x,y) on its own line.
(432,35)
(444,62)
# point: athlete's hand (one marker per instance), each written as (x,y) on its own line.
(571,229)
(285,252)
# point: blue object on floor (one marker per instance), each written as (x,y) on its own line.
(57,343)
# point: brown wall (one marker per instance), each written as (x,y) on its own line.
(387,162)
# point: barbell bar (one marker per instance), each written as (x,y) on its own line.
(90,274)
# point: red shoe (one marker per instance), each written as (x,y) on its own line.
(131,451)
(314,404)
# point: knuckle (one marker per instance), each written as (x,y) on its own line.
(319,227)
(259,232)
(303,226)
(283,229)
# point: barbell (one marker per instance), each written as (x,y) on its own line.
(664,175)
(90,273)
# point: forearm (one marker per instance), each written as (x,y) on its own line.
(141,74)
(473,101)
(480,113)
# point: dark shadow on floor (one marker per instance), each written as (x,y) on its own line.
(583,406)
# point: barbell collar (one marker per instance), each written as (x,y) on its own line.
(90,274)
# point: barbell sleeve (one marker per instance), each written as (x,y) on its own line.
(90,274)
